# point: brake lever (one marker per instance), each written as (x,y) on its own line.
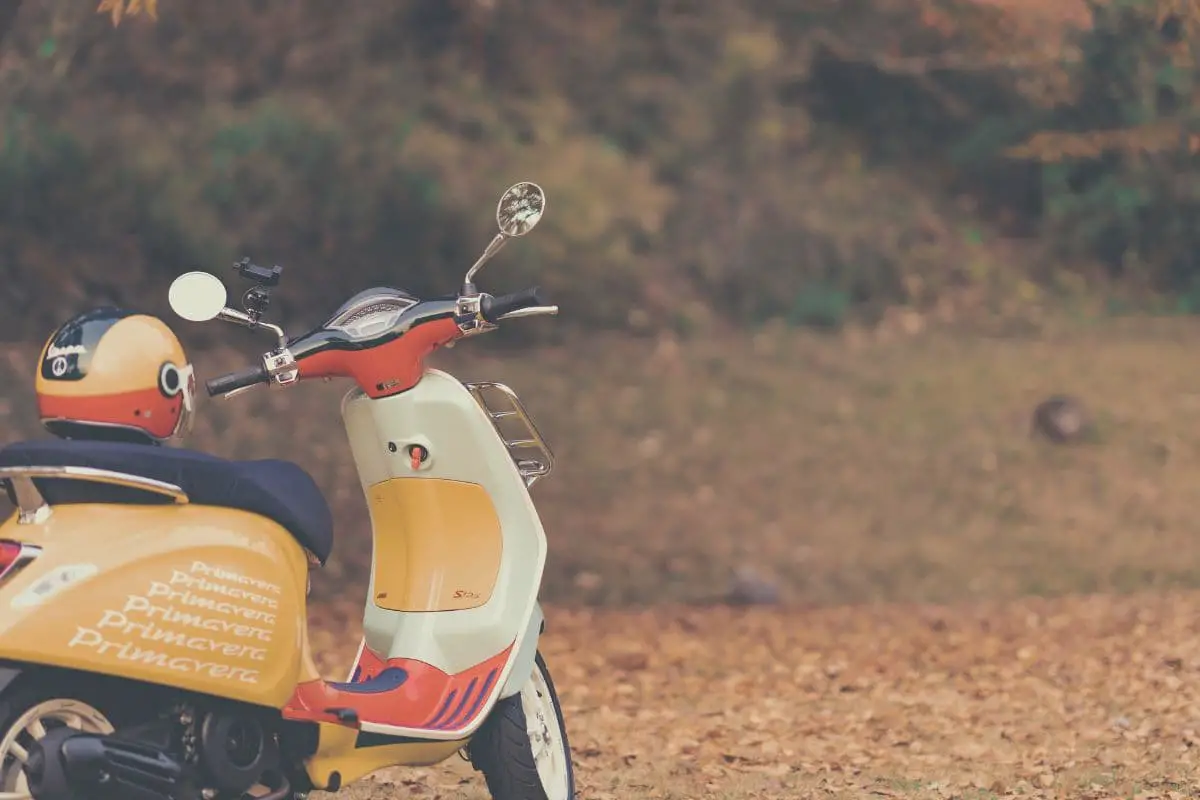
(531,311)
(239,390)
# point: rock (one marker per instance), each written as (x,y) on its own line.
(588,581)
(749,588)
(1061,419)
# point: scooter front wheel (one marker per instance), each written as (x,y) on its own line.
(522,749)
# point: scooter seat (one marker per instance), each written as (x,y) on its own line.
(278,490)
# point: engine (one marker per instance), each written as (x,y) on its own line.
(210,754)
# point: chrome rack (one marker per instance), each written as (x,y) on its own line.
(32,506)
(529,450)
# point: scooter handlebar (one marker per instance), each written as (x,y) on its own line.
(530,301)
(493,308)
(236,380)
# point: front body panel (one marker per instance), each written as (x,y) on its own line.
(415,570)
(465,490)
(205,599)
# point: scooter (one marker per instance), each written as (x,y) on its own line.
(153,600)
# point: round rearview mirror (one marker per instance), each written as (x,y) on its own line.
(521,206)
(197,296)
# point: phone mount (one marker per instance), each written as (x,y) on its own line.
(258,297)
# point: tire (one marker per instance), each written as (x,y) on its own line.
(504,752)
(52,703)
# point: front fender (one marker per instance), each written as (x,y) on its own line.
(526,654)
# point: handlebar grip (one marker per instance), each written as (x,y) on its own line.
(236,380)
(493,308)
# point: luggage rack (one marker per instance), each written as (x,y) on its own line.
(529,450)
(32,507)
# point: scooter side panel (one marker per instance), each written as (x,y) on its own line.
(210,600)
(442,416)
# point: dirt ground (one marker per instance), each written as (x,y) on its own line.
(862,467)
(1090,697)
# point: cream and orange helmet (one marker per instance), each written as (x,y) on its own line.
(115,375)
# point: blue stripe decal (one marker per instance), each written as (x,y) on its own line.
(433,723)
(462,704)
(483,693)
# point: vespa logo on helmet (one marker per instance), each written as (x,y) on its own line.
(62,362)
(53,352)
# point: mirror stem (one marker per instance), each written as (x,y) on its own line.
(280,336)
(493,247)
(242,318)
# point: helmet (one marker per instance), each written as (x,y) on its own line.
(115,375)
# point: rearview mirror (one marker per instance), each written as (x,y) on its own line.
(197,296)
(521,207)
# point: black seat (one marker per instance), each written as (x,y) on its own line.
(278,490)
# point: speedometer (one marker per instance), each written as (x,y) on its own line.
(371,313)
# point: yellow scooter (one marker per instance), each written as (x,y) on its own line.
(153,634)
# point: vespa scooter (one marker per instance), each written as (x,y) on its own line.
(153,601)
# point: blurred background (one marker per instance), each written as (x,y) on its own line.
(819,262)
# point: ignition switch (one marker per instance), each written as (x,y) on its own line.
(419,456)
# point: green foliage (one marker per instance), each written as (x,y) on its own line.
(36,160)
(1118,161)
(686,157)
(820,306)
(757,159)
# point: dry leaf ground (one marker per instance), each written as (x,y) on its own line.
(1091,697)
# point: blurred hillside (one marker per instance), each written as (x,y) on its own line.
(718,174)
(736,161)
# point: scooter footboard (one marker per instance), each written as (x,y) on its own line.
(519,665)
(403,697)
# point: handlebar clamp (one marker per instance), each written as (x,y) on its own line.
(468,315)
(280,365)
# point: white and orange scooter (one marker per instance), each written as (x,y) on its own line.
(196,679)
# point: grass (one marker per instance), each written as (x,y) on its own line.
(868,471)
(855,468)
